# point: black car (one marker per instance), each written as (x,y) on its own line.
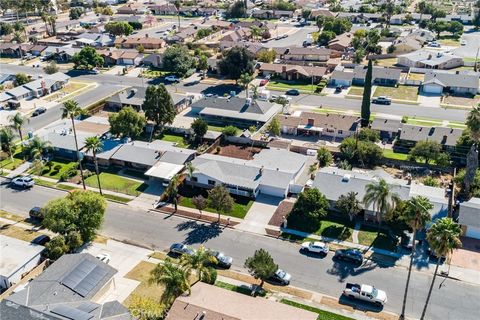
(352,255)
(338,89)
(292,92)
(41,240)
(39,111)
(223,261)
(36,213)
(181,249)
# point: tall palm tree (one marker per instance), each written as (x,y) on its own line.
(245,80)
(379,195)
(473,125)
(173,278)
(189,172)
(37,148)
(172,189)
(416,215)
(71,110)
(349,204)
(16,122)
(199,261)
(443,237)
(95,145)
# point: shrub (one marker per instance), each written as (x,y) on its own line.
(212,276)
(431,182)
(230,131)
(57,167)
(69,173)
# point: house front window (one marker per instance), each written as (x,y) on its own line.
(340,131)
(211,182)
(194,179)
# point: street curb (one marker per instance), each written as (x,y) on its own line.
(186,217)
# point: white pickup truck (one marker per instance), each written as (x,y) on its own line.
(366,293)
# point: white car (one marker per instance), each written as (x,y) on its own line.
(366,293)
(463,42)
(172,79)
(104,257)
(23,182)
(315,247)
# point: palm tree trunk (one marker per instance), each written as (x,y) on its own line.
(402,315)
(20,134)
(96,171)
(430,291)
(78,154)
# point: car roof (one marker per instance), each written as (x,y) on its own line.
(177,245)
(318,244)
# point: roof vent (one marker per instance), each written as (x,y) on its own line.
(346,177)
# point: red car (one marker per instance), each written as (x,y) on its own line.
(263,82)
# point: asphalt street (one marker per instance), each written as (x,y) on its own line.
(453,300)
(303,99)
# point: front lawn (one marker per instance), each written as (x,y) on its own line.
(179,140)
(368,236)
(390,154)
(281,85)
(332,226)
(398,93)
(152,73)
(416,76)
(322,314)
(389,62)
(8,164)
(56,168)
(356,91)
(117,183)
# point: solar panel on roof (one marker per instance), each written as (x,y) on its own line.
(88,306)
(84,277)
(71,313)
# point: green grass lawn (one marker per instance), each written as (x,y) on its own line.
(368,237)
(336,230)
(7,163)
(61,165)
(389,62)
(152,73)
(179,140)
(117,183)
(399,93)
(322,314)
(390,154)
(239,209)
(356,91)
(280,85)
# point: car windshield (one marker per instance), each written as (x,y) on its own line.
(27,179)
(220,255)
(280,273)
(374,292)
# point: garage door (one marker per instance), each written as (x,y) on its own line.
(272,191)
(473,232)
(432,88)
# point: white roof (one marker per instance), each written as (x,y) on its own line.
(164,170)
(15,254)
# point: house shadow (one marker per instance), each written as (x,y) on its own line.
(342,270)
(199,232)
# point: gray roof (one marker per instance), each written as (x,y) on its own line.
(443,135)
(448,79)
(378,72)
(469,214)
(342,75)
(49,297)
(136,154)
(66,141)
(383,124)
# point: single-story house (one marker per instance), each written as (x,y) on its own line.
(387,127)
(271,14)
(319,124)
(240,112)
(130,58)
(382,76)
(333,182)
(164,9)
(429,60)
(272,172)
(237,35)
(341,42)
(95,39)
(324,12)
(153,60)
(73,287)
(411,134)
(133,42)
(37,50)
(358,17)
(63,143)
(132,8)
(293,72)
(19,257)
(406,44)
(457,83)
(307,54)
(469,218)
(254,48)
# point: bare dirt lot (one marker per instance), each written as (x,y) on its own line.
(240,152)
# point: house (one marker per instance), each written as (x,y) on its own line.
(340,42)
(18,258)
(148,43)
(271,14)
(422,35)
(329,125)
(307,54)
(333,182)
(135,96)
(411,134)
(237,35)
(324,12)
(211,302)
(153,60)
(387,127)
(456,83)
(382,76)
(406,44)
(469,218)
(293,72)
(164,9)
(37,50)
(429,60)
(273,172)
(71,288)
(252,47)
(94,39)
(130,58)
(132,8)
(240,112)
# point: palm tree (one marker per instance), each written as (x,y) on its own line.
(6,140)
(245,80)
(378,195)
(16,122)
(473,125)
(95,145)
(37,148)
(416,215)
(172,189)
(199,261)
(173,278)
(190,170)
(443,237)
(72,110)
(349,204)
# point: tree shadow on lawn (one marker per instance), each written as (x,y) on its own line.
(345,269)
(222,89)
(199,232)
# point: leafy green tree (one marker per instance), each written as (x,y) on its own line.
(427,150)
(56,248)
(381,198)
(73,240)
(473,127)
(310,207)
(178,60)
(199,127)
(325,37)
(51,68)
(365,153)
(324,157)
(266,55)
(158,106)
(416,214)
(349,204)
(76,13)
(80,211)
(6,141)
(119,28)
(202,33)
(230,131)
(126,123)
(16,122)
(200,261)
(202,63)
(430,182)
(95,145)
(443,237)
(220,200)
(173,278)
(199,202)
(21,79)
(236,10)
(71,110)
(274,127)
(5,29)
(236,61)
(87,59)
(368,134)
(367,93)
(261,265)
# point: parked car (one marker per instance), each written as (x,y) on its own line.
(104,257)
(352,255)
(463,42)
(281,277)
(433,44)
(181,249)
(338,89)
(366,293)
(41,240)
(23,182)
(223,261)
(315,247)
(292,92)
(39,111)
(172,79)
(382,100)
(37,213)
(264,82)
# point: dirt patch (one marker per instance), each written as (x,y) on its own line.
(239,152)
(461,101)
(283,209)
(469,256)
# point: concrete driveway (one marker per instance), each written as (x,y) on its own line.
(259,215)
(429,99)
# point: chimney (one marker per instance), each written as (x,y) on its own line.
(146,35)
